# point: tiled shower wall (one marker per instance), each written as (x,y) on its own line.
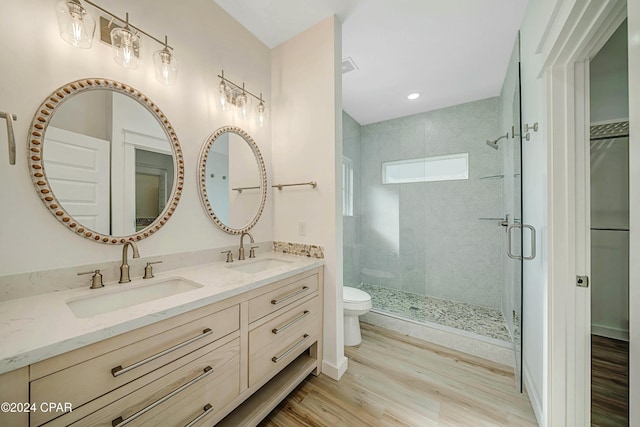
(351,224)
(427,238)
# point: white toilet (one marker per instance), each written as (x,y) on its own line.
(355,303)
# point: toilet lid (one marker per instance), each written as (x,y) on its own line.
(354,295)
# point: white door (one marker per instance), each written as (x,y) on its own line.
(77,168)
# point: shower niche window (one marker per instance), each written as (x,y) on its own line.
(441,168)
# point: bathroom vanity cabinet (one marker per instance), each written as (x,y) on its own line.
(14,389)
(236,358)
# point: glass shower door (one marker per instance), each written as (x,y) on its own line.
(514,255)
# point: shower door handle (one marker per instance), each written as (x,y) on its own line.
(533,242)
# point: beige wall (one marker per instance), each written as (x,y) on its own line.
(35,61)
(307,145)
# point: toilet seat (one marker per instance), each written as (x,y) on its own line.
(355,299)
(354,295)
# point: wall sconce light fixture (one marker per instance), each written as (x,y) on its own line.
(76,25)
(166,65)
(126,46)
(231,94)
(262,112)
(77,28)
(243,104)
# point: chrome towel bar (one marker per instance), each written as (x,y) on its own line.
(311,183)
(278,186)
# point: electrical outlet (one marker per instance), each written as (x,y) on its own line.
(302,228)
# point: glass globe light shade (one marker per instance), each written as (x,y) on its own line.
(166,67)
(243,106)
(224,97)
(126,47)
(262,114)
(75,24)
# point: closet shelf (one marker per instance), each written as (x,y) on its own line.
(608,229)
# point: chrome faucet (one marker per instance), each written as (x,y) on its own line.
(241,251)
(124,268)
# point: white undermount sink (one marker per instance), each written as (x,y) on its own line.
(106,300)
(253,267)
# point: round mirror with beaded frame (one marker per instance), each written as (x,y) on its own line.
(237,201)
(37,153)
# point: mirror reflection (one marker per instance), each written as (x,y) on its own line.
(105,161)
(108,162)
(233,184)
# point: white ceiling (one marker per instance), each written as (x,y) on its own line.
(451,51)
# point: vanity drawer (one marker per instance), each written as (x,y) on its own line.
(277,342)
(211,381)
(102,373)
(278,327)
(281,297)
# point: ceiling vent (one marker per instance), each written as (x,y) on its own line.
(348,65)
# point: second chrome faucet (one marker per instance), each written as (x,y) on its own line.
(241,250)
(124,267)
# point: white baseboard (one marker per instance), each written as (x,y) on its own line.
(335,372)
(534,397)
(616,334)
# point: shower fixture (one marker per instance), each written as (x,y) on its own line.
(494,144)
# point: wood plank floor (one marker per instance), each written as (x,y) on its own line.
(609,382)
(395,380)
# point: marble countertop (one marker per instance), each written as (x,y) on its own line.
(42,326)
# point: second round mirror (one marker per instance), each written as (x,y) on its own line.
(233,180)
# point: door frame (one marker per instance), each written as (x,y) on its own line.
(567,399)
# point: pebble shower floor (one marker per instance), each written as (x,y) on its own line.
(485,321)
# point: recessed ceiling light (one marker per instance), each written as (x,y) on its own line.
(413,96)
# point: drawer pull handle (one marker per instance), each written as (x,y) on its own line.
(294,321)
(119,422)
(207,410)
(276,359)
(119,370)
(291,295)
